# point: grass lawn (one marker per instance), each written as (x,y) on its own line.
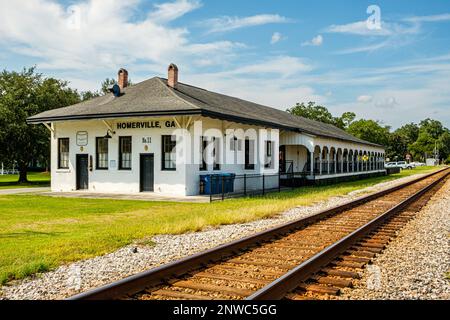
(36,179)
(38,233)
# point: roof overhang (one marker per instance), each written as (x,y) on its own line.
(201,112)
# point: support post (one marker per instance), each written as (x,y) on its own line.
(348,162)
(210,187)
(223,187)
(335,161)
(328,162)
(264,184)
(245,184)
(320,164)
(279,181)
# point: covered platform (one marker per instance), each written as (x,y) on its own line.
(309,157)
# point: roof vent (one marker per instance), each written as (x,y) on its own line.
(172,77)
(116,90)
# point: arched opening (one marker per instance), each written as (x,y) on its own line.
(339,161)
(360,161)
(332,163)
(351,160)
(317,157)
(325,159)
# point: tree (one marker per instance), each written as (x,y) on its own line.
(87,95)
(370,130)
(397,146)
(432,127)
(432,134)
(22,95)
(424,146)
(320,113)
(410,132)
(444,144)
(347,118)
(108,83)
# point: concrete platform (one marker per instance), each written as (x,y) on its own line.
(24,190)
(347,174)
(144,196)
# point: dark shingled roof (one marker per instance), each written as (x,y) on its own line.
(154,97)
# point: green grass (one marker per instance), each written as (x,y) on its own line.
(38,233)
(36,179)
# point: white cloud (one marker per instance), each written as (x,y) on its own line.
(364,99)
(276,37)
(277,92)
(227,23)
(368,48)
(316,41)
(430,18)
(393,34)
(387,29)
(100,34)
(283,66)
(172,10)
(386,103)
(276,81)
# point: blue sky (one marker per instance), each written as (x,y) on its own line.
(273,52)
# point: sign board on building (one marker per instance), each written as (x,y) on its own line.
(82,138)
(145,124)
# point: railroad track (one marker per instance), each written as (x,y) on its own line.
(309,258)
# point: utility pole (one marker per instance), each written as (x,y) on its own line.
(436,153)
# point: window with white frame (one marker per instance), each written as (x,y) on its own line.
(216,153)
(169,153)
(268,158)
(101,153)
(249,154)
(124,153)
(63,153)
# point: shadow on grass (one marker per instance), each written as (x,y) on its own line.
(29,233)
(310,189)
(26,184)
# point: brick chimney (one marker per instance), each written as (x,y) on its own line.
(172,77)
(122,79)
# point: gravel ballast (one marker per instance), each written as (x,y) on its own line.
(80,276)
(416,264)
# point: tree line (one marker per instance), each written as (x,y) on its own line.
(26,93)
(420,140)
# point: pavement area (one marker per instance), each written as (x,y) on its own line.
(23,190)
(143,196)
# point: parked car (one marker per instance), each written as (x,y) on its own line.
(404,165)
(418,164)
(390,165)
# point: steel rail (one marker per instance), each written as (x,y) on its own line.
(289,281)
(157,276)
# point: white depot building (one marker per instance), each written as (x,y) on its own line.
(164,136)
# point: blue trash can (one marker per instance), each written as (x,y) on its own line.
(210,184)
(228,179)
(205,183)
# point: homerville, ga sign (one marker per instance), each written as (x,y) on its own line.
(145,124)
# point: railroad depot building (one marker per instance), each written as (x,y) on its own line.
(162,136)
